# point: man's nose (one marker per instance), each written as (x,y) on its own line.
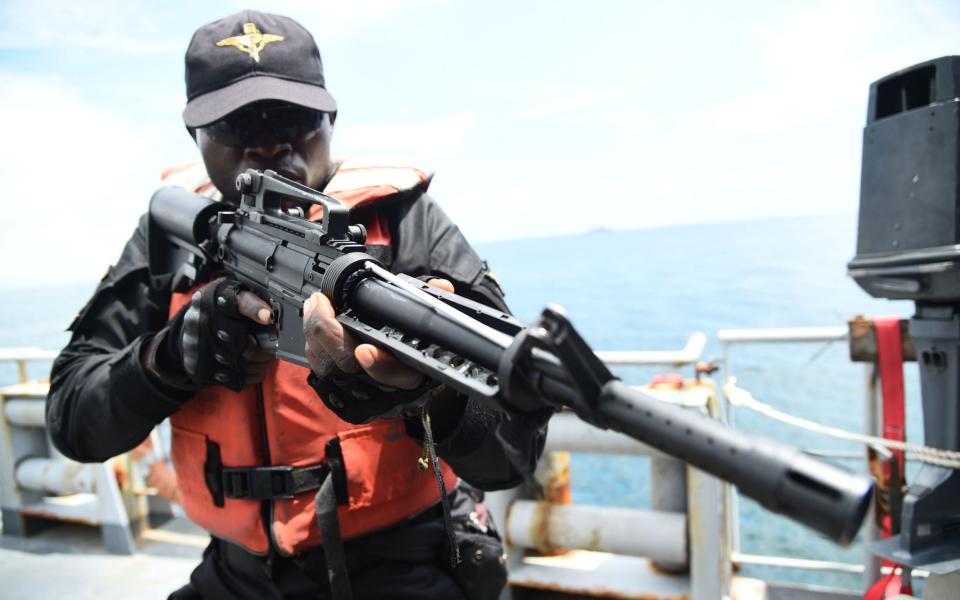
(267,147)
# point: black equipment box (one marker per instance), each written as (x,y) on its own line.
(908,243)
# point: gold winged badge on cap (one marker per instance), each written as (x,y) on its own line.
(252,41)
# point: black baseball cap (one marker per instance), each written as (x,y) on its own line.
(249,57)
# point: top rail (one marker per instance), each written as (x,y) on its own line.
(782,334)
(22,356)
(690,354)
(26,354)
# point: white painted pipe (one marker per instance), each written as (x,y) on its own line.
(673,358)
(18,354)
(25,413)
(568,432)
(660,536)
(783,334)
(56,476)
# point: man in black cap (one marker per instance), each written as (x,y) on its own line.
(139,354)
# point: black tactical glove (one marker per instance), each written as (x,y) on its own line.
(358,399)
(209,342)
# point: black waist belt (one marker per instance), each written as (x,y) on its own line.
(258,483)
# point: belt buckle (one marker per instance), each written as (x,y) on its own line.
(259,483)
(279,481)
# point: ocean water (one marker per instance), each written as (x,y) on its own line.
(650,290)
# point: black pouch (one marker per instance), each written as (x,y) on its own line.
(481,573)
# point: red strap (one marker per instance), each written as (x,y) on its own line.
(890,362)
(887,587)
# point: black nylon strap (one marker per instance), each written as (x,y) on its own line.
(431,449)
(267,483)
(325,505)
(212,473)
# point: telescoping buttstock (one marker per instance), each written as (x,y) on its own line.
(475,349)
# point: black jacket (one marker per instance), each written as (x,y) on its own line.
(101,402)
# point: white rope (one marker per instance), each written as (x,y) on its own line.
(741,398)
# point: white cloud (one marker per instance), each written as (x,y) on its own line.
(78,176)
(119,26)
(334,21)
(563,101)
(428,140)
(777,134)
(497,199)
(817,61)
(71,27)
(488,211)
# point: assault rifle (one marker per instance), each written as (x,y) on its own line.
(465,345)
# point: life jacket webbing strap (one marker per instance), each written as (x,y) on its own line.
(325,506)
(274,481)
(258,483)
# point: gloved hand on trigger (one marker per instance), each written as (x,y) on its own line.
(210,341)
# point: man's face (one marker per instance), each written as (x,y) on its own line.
(291,140)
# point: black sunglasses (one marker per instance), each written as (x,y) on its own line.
(284,123)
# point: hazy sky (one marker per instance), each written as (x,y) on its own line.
(540,118)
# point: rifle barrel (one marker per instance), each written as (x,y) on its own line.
(782,478)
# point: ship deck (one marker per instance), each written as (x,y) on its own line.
(69,560)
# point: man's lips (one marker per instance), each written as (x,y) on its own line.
(294,175)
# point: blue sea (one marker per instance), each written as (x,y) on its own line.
(650,290)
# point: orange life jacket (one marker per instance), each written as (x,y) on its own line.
(283,422)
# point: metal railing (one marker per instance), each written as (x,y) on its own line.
(683,533)
(689,355)
(729,338)
(569,434)
(35,476)
(22,357)
(689,532)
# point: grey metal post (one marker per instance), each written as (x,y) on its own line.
(498,506)
(733,498)
(710,567)
(22,371)
(13,521)
(668,492)
(114,522)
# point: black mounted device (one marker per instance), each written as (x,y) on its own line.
(908,248)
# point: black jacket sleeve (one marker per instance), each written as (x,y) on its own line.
(489,449)
(101,402)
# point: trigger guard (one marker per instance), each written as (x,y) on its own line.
(268,341)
